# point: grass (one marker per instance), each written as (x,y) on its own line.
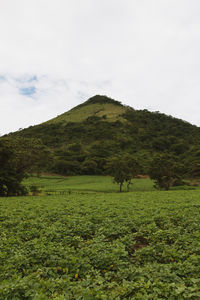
(86,184)
(81,113)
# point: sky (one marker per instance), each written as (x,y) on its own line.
(55,54)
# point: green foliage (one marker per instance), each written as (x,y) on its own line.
(32,155)
(101,246)
(193,163)
(166,171)
(83,184)
(82,140)
(96,107)
(34,190)
(89,167)
(195,170)
(101,100)
(123,169)
(66,167)
(18,157)
(11,173)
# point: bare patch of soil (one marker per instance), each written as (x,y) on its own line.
(141,242)
(142,176)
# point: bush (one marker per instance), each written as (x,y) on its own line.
(34,190)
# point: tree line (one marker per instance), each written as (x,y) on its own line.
(137,142)
(21,157)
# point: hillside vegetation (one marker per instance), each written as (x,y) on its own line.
(83,139)
(102,106)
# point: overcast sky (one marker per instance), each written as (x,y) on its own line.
(55,54)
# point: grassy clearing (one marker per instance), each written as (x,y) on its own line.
(101,246)
(85,184)
(82,113)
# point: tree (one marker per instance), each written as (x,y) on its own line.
(32,155)
(89,167)
(10,176)
(166,171)
(194,163)
(123,169)
(195,170)
(18,158)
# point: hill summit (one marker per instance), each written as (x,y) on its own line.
(99,99)
(99,106)
(84,138)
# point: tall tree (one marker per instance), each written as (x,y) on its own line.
(18,158)
(10,176)
(123,169)
(166,171)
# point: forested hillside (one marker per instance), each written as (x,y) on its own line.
(83,139)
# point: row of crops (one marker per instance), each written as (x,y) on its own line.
(101,246)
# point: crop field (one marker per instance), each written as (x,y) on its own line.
(96,245)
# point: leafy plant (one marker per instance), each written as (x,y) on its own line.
(99,245)
(166,171)
(123,169)
(34,190)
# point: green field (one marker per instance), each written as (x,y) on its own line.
(85,184)
(97,243)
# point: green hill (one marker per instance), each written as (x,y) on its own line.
(99,106)
(84,138)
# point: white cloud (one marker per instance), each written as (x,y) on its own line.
(144,53)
